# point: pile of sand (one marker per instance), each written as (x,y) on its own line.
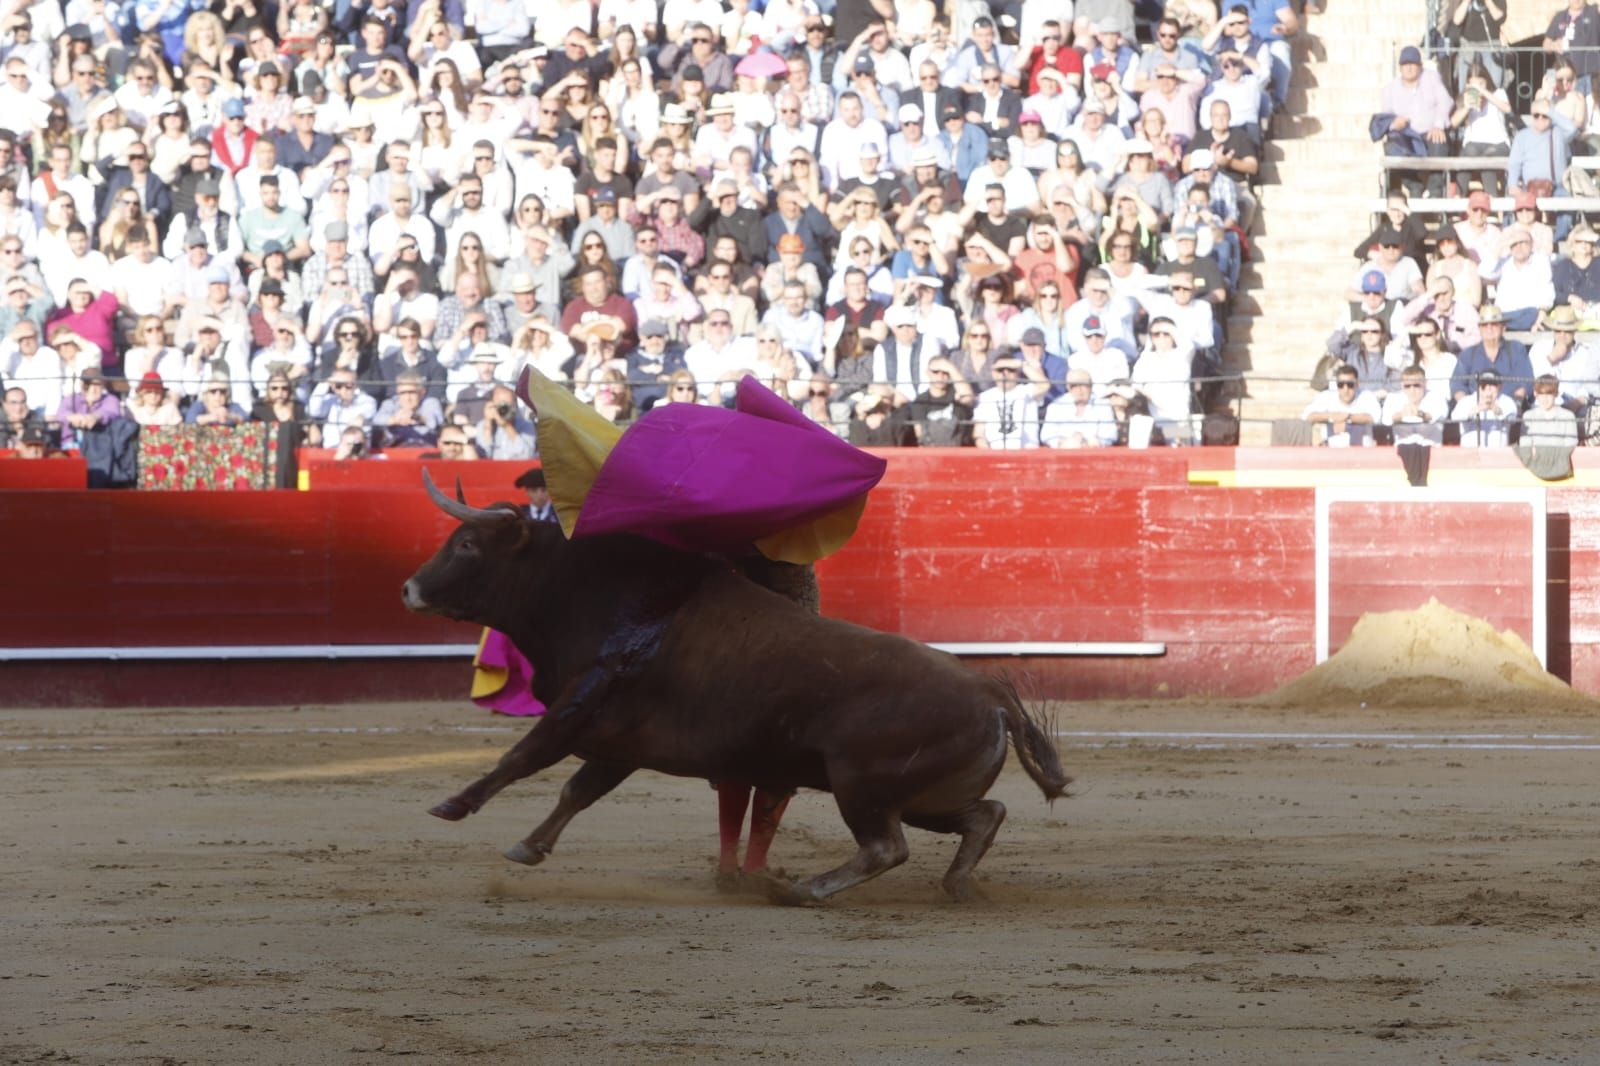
(1432,656)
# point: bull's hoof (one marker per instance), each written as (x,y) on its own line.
(451,810)
(780,890)
(526,854)
(963,891)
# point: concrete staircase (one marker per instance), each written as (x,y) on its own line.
(1318,179)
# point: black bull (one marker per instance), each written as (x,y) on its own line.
(652,658)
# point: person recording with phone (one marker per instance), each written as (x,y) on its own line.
(1479,120)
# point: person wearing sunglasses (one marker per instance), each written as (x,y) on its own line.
(1345,410)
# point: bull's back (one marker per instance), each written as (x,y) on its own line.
(758,680)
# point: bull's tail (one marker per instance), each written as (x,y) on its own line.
(1030,735)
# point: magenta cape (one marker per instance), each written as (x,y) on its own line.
(501,658)
(709,479)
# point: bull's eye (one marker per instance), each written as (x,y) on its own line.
(467,545)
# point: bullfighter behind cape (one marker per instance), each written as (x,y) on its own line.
(760,484)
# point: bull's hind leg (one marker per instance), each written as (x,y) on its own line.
(881,847)
(593,780)
(978,822)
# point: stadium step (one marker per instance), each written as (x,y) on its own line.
(1320,178)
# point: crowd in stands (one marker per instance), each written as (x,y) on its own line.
(1005,223)
(1479,330)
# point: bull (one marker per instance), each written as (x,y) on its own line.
(648,657)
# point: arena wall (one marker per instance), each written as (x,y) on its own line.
(966,547)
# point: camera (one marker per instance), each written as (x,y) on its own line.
(503,409)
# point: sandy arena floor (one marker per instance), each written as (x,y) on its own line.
(264,887)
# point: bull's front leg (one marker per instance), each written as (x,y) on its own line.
(553,738)
(593,780)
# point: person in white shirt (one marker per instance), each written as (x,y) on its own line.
(141,278)
(460,211)
(264,161)
(1022,191)
(1347,410)
(1103,363)
(1574,361)
(1486,415)
(718,357)
(1162,375)
(79,261)
(1416,414)
(840,150)
(57,179)
(142,96)
(385,234)
(1077,419)
(1006,417)
(1523,284)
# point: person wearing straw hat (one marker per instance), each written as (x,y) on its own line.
(1564,352)
(1495,351)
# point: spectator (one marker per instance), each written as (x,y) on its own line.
(1006,417)
(1415,412)
(1486,416)
(339,405)
(91,407)
(214,408)
(1494,352)
(1575,364)
(1077,419)
(1523,285)
(410,418)
(504,433)
(1547,424)
(1347,410)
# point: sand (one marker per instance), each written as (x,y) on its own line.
(1427,657)
(202,887)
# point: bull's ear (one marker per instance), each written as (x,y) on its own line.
(472,516)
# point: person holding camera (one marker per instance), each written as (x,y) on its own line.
(504,433)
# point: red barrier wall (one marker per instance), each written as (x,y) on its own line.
(972,547)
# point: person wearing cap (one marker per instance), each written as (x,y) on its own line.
(715,141)
(1525,213)
(1450,261)
(1563,351)
(1398,217)
(1523,285)
(1103,364)
(302,147)
(1495,351)
(839,151)
(1006,416)
(1347,410)
(1116,313)
(1484,412)
(1210,285)
(336,253)
(233,142)
(965,144)
(1479,231)
(1020,191)
(221,299)
(723,216)
(90,408)
(1455,319)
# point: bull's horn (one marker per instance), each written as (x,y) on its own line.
(461,494)
(459,509)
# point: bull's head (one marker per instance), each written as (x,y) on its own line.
(484,572)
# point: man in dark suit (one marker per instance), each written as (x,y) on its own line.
(795,215)
(720,215)
(540,509)
(154,195)
(996,108)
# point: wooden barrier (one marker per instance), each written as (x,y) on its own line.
(970,546)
